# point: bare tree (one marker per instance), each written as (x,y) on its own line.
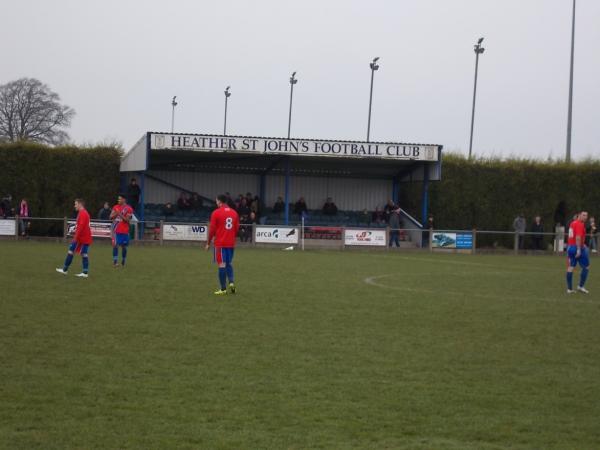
(30,111)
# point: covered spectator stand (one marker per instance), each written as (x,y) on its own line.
(356,175)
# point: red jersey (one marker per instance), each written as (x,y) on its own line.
(122,212)
(224,226)
(577,228)
(83,232)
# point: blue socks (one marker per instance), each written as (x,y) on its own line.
(68,261)
(116,254)
(86,263)
(223,278)
(229,271)
(583,276)
(570,280)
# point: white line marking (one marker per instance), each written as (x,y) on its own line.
(373,282)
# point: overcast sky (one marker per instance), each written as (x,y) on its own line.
(119,62)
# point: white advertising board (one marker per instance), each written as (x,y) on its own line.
(365,237)
(99,229)
(277,235)
(8,227)
(178,232)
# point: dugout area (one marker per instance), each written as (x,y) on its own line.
(356,175)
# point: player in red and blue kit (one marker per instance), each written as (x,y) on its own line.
(577,253)
(81,240)
(224,226)
(121,216)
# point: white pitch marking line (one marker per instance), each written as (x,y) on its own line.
(372,281)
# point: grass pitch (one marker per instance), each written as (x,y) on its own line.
(318,350)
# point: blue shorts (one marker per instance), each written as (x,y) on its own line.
(121,239)
(583,260)
(223,255)
(85,248)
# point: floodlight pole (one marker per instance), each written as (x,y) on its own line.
(478,51)
(173,104)
(374,66)
(570,111)
(227,95)
(293,81)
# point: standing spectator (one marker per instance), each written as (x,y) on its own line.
(195,202)
(300,207)
(279,206)
(6,205)
(426,234)
(255,206)
(329,208)
(591,232)
(520,225)
(394,227)
(133,194)
(537,239)
(387,210)
(246,228)
(23,215)
(378,216)
(182,202)
(104,213)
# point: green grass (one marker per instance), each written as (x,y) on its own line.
(431,352)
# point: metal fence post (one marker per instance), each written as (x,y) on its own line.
(65,229)
(474,241)
(343,245)
(254,235)
(516,243)
(160,231)
(16,228)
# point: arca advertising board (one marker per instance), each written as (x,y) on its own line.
(276,235)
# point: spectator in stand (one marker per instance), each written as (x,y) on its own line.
(196,202)
(279,206)
(537,239)
(133,194)
(300,207)
(387,210)
(394,223)
(168,210)
(520,225)
(329,208)
(255,206)
(249,198)
(104,213)
(6,205)
(23,215)
(364,217)
(243,209)
(230,201)
(182,202)
(378,216)
(591,233)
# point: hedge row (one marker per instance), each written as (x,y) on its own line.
(51,177)
(487,194)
